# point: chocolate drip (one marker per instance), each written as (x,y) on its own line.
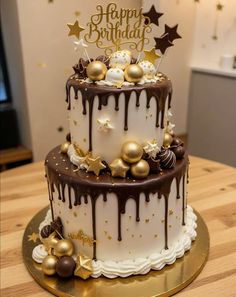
(177,187)
(159,91)
(86,184)
(183,205)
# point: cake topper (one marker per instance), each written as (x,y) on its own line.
(153,16)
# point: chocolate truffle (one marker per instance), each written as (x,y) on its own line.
(179,151)
(167,158)
(46,231)
(65,266)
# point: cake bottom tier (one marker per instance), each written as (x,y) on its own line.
(126,226)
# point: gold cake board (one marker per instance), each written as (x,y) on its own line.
(166,282)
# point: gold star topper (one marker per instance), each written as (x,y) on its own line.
(95,165)
(33,237)
(151,55)
(75,29)
(83,266)
(119,168)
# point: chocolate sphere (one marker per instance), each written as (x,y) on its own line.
(167,140)
(176,141)
(65,266)
(133,73)
(46,231)
(64,247)
(167,158)
(131,152)
(96,70)
(49,265)
(65,147)
(140,169)
(179,151)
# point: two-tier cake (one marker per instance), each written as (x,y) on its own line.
(117,186)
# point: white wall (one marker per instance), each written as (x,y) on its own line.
(207,51)
(177,62)
(43,39)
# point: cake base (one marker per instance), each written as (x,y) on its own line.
(166,282)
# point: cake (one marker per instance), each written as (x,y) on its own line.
(118,185)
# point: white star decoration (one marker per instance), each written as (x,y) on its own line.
(152,148)
(170,127)
(80,44)
(104,125)
(169,113)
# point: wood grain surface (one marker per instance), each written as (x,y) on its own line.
(212,192)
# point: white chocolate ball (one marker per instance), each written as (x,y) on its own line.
(120,59)
(149,70)
(115,76)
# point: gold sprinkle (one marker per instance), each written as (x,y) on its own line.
(140,236)
(130,252)
(127,229)
(105,232)
(147,220)
(67,222)
(130,217)
(75,214)
(109,237)
(170,226)
(59,212)
(84,140)
(106,221)
(75,122)
(153,215)
(162,221)
(170,212)
(155,236)
(132,235)
(85,213)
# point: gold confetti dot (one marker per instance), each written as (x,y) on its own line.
(84,140)
(105,232)
(67,222)
(59,212)
(147,220)
(170,212)
(109,237)
(153,215)
(130,217)
(106,221)
(162,221)
(75,214)
(127,229)
(75,122)
(132,235)
(155,236)
(130,252)
(170,226)
(140,235)
(85,213)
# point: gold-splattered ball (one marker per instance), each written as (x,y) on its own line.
(96,70)
(65,147)
(64,247)
(140,169)
(167,140)
(131,152)
(49,265)
(133,73)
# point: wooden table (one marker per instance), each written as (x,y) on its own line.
(212,192)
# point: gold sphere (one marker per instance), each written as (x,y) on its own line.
(64,247)
(131,152)
(53,241)
(140,169)
(65,147)
(49,265)
(167,140)
(133,73)
(96,70)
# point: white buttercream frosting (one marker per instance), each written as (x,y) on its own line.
(75,159)
(39,253)
(112,269)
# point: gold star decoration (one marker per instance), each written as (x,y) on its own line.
(75,29)
(219,6)
(119,168)
(95,165)
(151,55)
(50,242)
(83,266)
(119,85)
(33,237)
